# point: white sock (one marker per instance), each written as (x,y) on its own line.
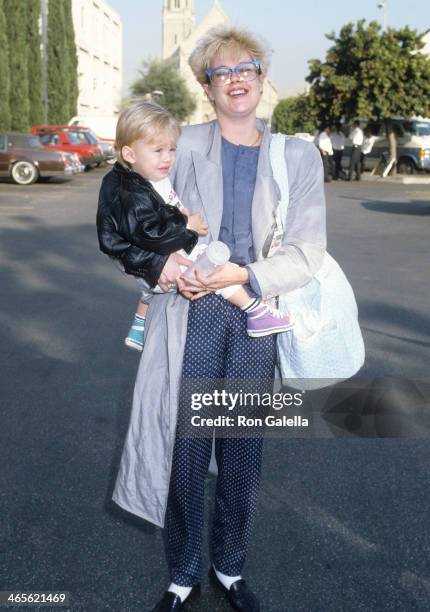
(251,305)
(183,592)
(227,581)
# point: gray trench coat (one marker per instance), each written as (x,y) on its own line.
(142,484)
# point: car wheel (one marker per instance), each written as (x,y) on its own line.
(405,166)
(24,173)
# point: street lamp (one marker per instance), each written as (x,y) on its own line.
(384,7)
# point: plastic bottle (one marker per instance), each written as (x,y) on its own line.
(216,254)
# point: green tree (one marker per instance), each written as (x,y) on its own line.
(372,75)
(163,75)
(34,62)
(294,114)
(15,13)
(72,61)
(4,73)
(58,106)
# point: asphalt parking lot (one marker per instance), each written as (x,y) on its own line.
(342,522)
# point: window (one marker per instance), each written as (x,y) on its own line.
(21,140)
(419,128)
(177,4)
(49,139)
(2,142)
(91,137)
(34,142)
(82,138)
(74,138)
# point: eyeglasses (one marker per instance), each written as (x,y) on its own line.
(221,75)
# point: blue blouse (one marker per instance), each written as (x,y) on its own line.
(239,171)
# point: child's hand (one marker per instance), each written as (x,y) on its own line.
(196,223)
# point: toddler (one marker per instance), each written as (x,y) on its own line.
(141,221)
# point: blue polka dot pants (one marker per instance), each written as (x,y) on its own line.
(217,347)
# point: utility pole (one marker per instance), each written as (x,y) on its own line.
(44,15)
(384,7)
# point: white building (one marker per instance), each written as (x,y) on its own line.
(98,37)
(180,34)
(426,39)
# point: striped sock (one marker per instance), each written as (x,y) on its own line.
(251,305)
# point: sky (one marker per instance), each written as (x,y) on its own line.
(294,29)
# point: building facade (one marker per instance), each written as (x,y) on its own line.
(98,37)
(179,36)
(426,41)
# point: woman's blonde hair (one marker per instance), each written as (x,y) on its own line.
(225,38)
(146,120)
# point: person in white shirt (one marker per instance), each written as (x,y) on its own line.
(357,138)
(326,150)
(368,142)
(338,142)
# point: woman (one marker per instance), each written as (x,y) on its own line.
(223,170)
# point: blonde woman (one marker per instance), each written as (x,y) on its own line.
(222,171)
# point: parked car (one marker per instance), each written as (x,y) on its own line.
(24,159)
(71,138)
(107,145)
(413,145)
(97,125)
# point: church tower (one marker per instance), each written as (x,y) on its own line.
(178,23)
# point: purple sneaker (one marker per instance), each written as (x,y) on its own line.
(264,320)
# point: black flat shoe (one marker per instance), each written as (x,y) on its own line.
(240,597)
(171,602)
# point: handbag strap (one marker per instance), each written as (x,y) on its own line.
(279,169)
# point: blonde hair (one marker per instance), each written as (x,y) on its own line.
(225,38)
(146,120)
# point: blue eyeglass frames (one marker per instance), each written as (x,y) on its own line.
(221,75)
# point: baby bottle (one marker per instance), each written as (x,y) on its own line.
(216,254)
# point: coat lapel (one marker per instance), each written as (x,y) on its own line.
(208,173)
(266,193)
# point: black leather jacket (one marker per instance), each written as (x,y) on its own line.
(135,226)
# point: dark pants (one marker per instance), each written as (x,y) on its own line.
(337,160)
(327,161)
(217,347)
(355,163)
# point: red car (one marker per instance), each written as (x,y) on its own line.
(71,138)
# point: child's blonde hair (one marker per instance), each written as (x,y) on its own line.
(225,38)
(146,120)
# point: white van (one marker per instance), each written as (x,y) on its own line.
(413,145)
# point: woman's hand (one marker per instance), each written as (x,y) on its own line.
(223,276)
(172,271)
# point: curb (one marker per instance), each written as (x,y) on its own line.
(399,179)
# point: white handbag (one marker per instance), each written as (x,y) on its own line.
(325,345)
